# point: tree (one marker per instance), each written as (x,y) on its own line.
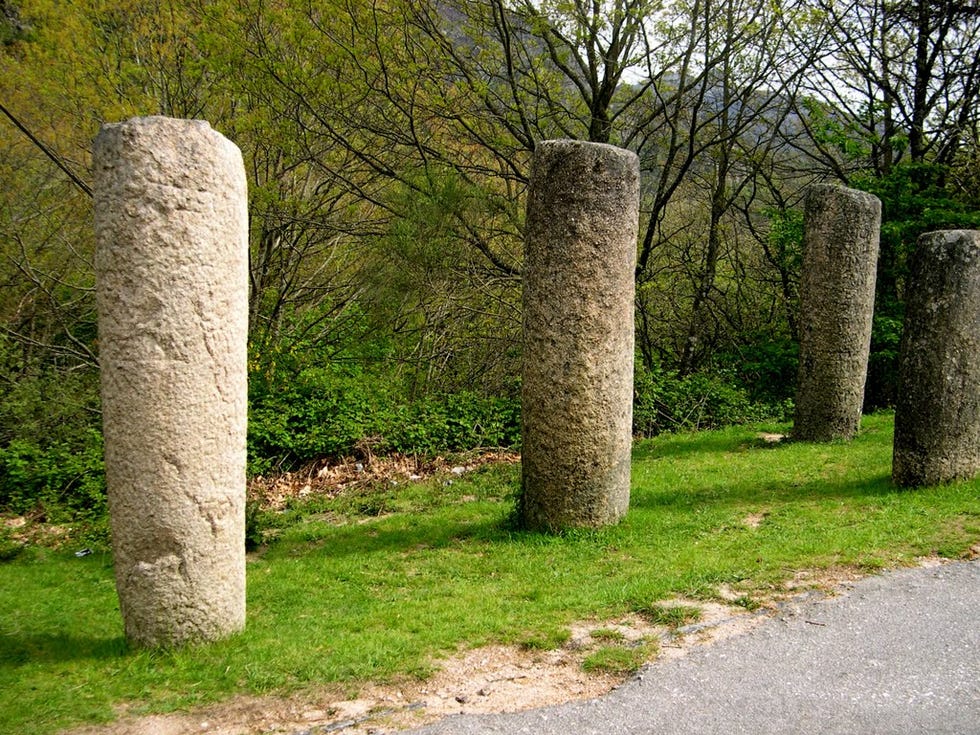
(893,109)
(713,127)
(904,74)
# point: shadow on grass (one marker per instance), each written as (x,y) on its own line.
(47,648)
(681,446)
(755,493)
(676,446)
(405,534)
(401,532)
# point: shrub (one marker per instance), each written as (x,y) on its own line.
(51,456)
(60,480)
(664,401)
(765,367)
(328,411)
(319,414)
(451,422)
(303,424)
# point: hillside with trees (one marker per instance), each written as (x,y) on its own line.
(387,145)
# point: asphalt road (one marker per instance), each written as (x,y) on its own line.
(898,653)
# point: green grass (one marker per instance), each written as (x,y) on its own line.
(671,616)
(618,659)
(345,596)
(607,634)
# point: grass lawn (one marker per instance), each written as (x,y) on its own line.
(342,595)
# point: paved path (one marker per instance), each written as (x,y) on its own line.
(898,653)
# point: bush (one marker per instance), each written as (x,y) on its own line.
(59,480)
(330,418)
(318,414)
(327,411)
(664,401)
(882,383)
(451,422)
(916,198)
(51,455)
(764,367)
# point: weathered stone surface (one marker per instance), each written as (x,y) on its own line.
(577,389)
(840,256)
(172,278)
(937,415)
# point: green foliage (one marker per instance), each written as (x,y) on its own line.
(916,199)
(13,28)
(311,400)
(785,242)
(255,525)
(886,340)
(325,416)
(60,480)
(51,455)
(319,413)
(452,423)
(831,130)
(420,275)
(664,401)
(765,366)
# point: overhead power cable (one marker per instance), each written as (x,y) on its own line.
(58,161)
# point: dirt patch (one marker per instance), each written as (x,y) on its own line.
(35,531)
(330,478)
(489,679)
(830,580)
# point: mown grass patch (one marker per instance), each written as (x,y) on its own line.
(343,595)
(670,616)
(619,659)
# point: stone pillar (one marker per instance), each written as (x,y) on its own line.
(937,415)
(577,390)
(840,258)
(171,267)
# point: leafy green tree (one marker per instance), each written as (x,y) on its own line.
(893,109)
